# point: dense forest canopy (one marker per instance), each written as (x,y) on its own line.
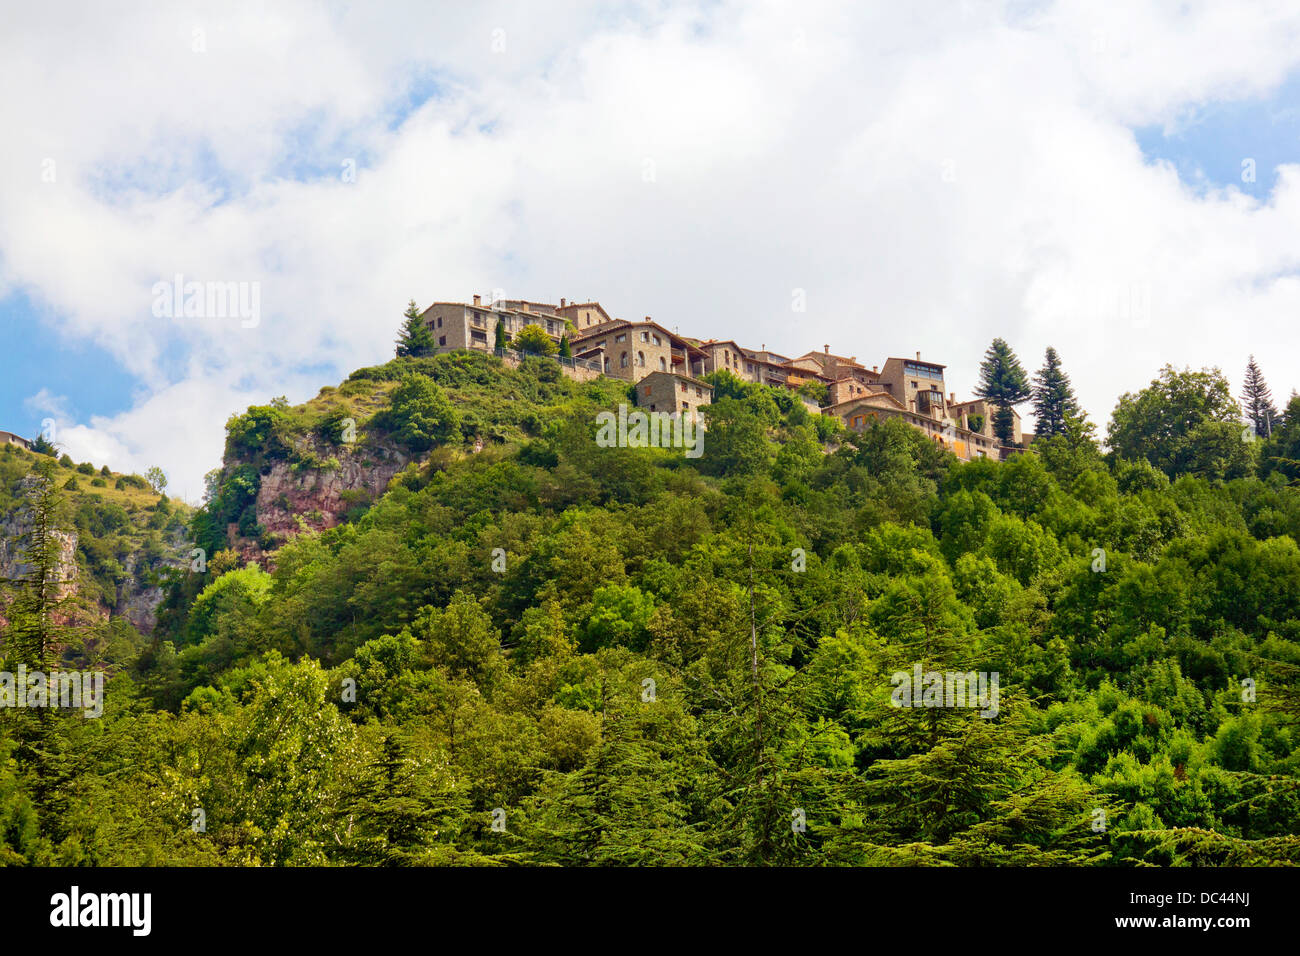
(548,652)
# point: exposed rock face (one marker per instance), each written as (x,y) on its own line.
(294,498)
(13,531)
(136,601)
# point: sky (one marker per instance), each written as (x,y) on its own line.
(1118,181)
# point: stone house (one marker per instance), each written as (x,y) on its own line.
(963,412)
(460,325)
(633,350)
(9,438)
(858,414)
(917,385)
(671,392)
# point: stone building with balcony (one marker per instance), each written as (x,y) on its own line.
(633,350)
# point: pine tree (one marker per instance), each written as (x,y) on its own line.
(32,631)
(1257,401)
(414,338)
(1054,403)
(502,341)
(1003,383)
(566,350)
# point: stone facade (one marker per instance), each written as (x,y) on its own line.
(669,392)
(9,438)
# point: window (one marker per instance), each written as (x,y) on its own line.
(622,360)
(683,385)
(442,340)
(621,337)
(645,390)
(686,406)
(658,341)
(640,359)
(439,321)
(698,393)
(645,336)
(663,364)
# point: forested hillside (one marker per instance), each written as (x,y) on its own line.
(524,648)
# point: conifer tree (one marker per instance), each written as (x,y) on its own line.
(1257,401)
(502,341)
(1004,384)
(1054,403)
(566,350)
(414,338)
(32,631)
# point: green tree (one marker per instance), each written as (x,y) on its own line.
(500,341)
(414,338)
(1184,422)
(1003,383)
(1257,401)
(42,590)
(566,350)
(157,479)
(532,338)
(420,415)
(1054,403)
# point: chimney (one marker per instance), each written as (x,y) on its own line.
(561,302)
(647,318)
(952,398)
(826,349)
(918,356)
(478,300)
(874,370)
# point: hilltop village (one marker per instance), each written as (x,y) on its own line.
(667,368)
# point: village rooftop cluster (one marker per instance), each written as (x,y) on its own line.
(668,368)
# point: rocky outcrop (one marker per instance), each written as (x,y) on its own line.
(137,597)
(316,491)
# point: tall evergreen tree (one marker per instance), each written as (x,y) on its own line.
(1257,401)
(502,341)
(32,631)
(1004,384)
(1054,402)
(566,350)
(414,338)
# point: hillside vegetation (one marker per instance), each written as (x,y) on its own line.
(549,652)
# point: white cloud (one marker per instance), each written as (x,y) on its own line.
(44,402)
(931,179)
